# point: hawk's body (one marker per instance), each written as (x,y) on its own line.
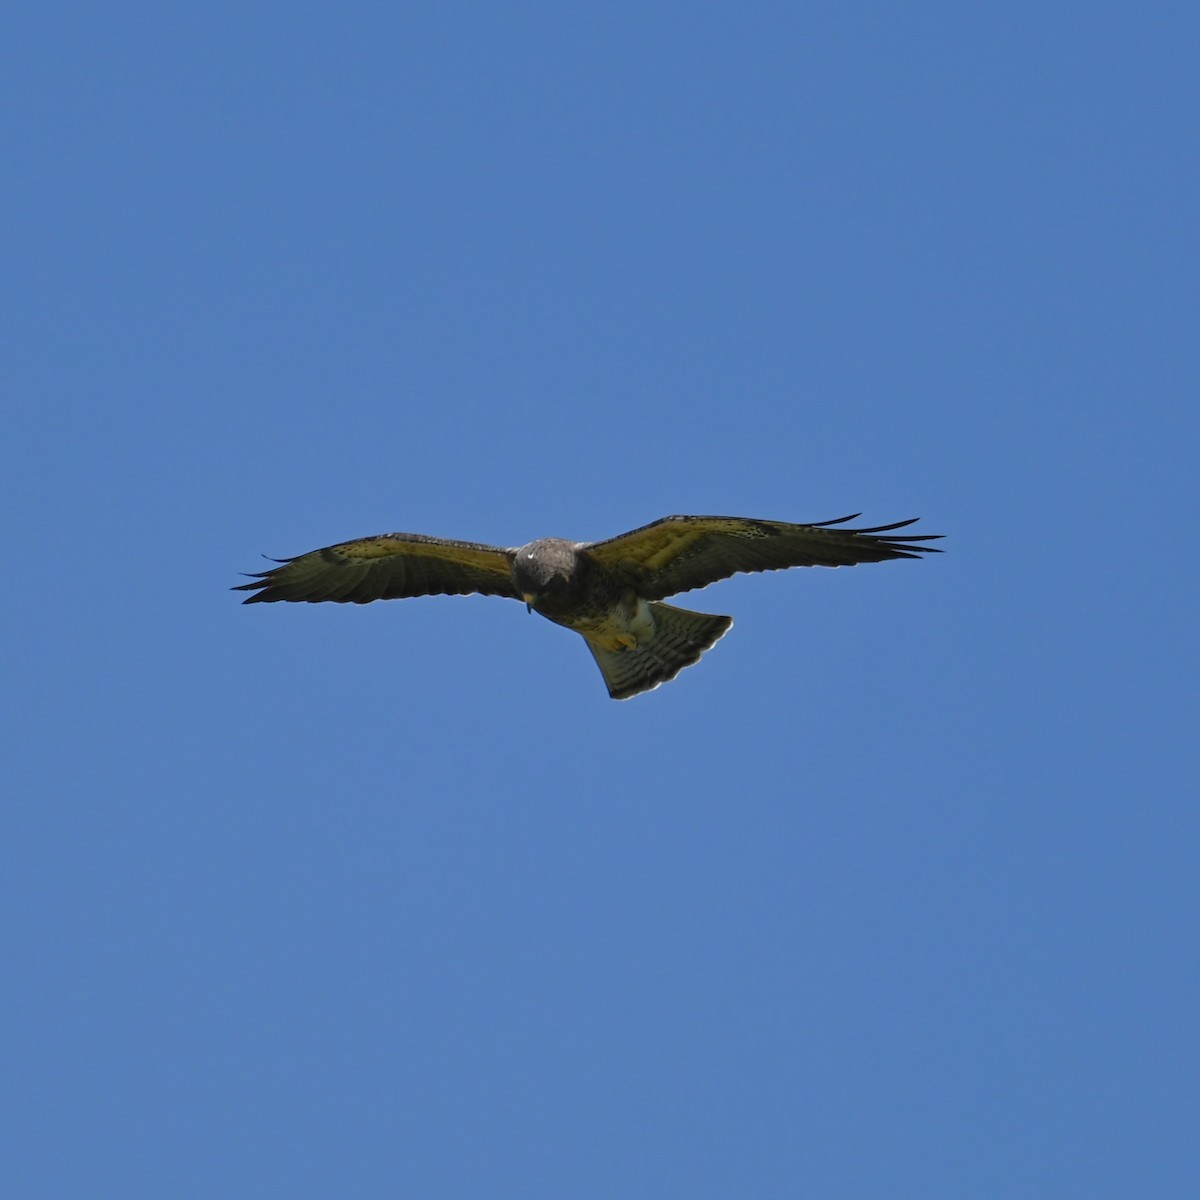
(593,601)
(608,591)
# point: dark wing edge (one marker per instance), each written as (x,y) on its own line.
(388,566)
(678,553)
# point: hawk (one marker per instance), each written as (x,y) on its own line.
(611,592)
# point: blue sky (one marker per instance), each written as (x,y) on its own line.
(893,895)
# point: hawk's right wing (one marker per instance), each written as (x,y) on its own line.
(386,567)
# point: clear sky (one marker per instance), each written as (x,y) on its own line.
(894,895)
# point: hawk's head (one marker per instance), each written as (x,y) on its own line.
(544,570)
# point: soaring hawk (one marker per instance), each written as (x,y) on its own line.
(608,591)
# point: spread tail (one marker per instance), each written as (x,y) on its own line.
(678,640)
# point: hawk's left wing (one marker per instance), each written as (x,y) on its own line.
(387,567)
(680,553)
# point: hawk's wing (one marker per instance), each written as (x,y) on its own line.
(680,553)
(386,567)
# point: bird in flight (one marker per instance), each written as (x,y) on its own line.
(611,592)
